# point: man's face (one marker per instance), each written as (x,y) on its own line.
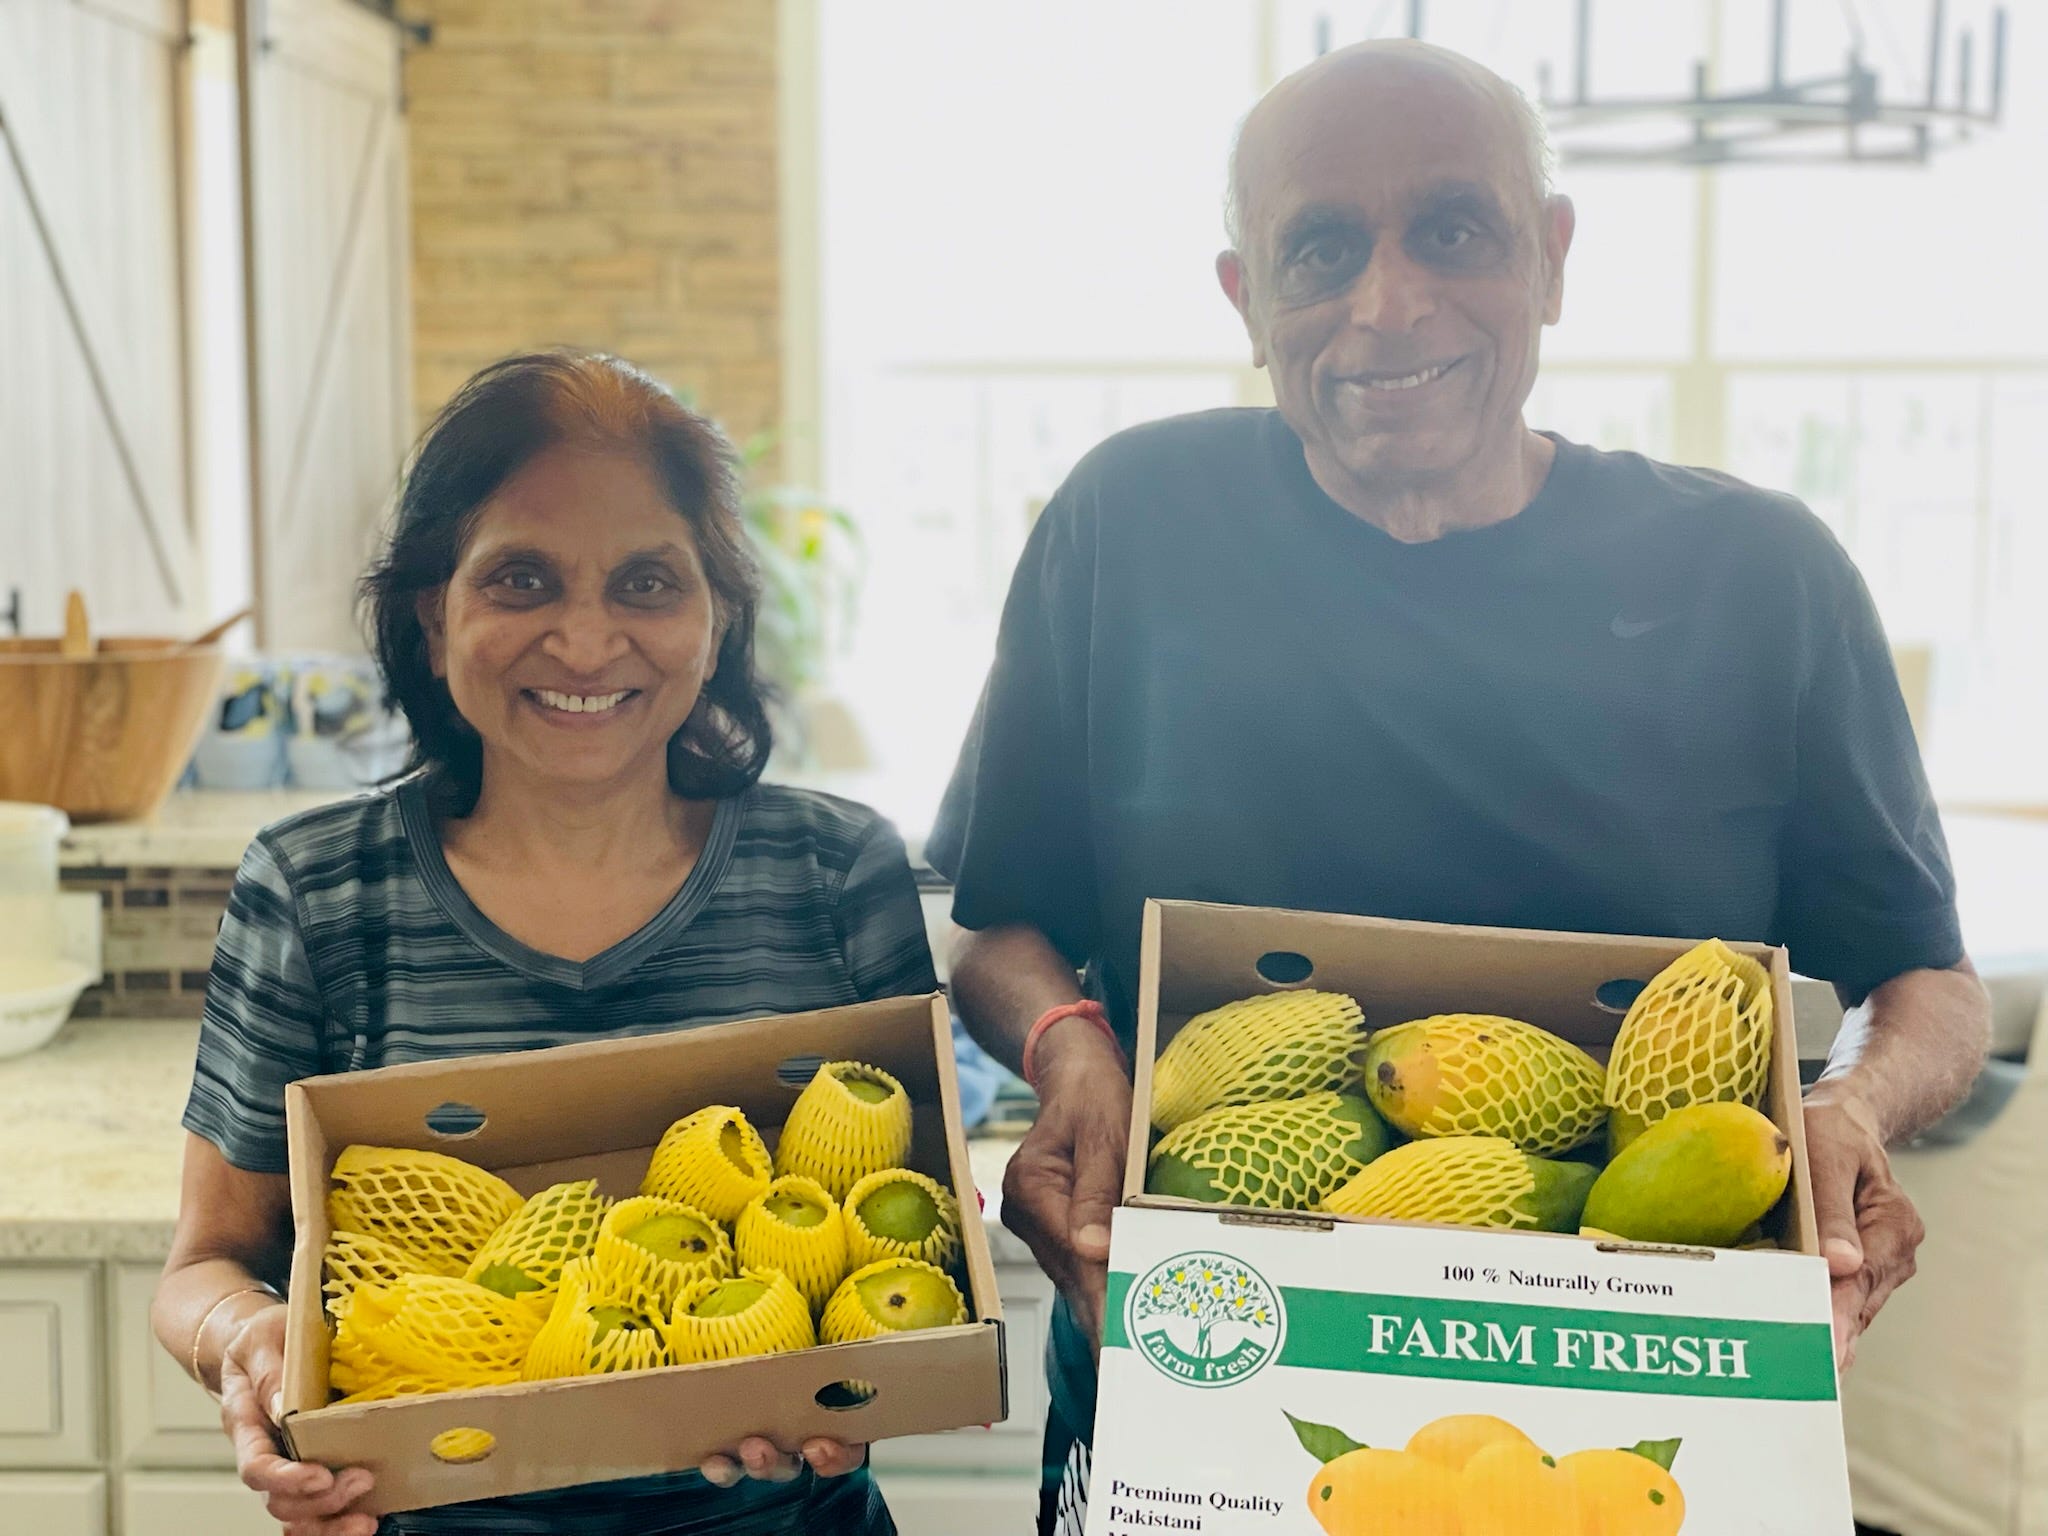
(1396,270)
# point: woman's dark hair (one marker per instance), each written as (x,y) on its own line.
(500,419)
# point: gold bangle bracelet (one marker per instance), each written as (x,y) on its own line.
(199,1333)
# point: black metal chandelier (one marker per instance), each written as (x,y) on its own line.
(1841,117)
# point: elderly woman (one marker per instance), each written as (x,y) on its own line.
(581,850)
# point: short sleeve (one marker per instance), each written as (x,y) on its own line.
(881,921)
(1866,891)
(263,1021)
(1012,832)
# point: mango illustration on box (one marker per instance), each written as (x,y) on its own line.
(1472,1474)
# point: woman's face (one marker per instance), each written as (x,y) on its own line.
(578,628)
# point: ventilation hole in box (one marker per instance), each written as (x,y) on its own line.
(797,1071)
(1616,996)
(451,1120)
(1283,967)
(460,1446)
(841,1395)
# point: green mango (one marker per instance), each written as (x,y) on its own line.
(1702,1176)
(1559,1198)
(1282,1155)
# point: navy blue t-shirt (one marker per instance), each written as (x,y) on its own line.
(1655,701)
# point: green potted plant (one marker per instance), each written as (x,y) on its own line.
(810,554)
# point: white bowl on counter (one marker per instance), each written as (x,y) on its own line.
(36,997)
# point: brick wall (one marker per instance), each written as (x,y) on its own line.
(599,172)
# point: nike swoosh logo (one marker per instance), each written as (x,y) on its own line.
(1632,629)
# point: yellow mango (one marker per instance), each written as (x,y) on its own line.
(1384,1493)
(1515,1490)
(1701,1176)
(1455,1439)
(1476,1074)
(1622,1493)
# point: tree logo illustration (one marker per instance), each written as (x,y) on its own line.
(1205,1319)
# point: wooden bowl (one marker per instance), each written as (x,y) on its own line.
(101,737)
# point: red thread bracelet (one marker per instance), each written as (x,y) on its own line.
(1087,1009)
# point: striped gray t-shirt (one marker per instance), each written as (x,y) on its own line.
(348,944)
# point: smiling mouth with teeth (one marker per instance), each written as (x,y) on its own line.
(580,703)
(1409,380)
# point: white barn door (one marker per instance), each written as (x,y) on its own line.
(94,477)
(330,312)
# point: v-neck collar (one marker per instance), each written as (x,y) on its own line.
(602,968)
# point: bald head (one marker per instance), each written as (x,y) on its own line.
(1411,77)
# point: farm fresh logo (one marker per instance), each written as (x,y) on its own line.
(1205,1319)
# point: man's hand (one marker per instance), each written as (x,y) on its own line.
(1067,1175)
(1869,1230)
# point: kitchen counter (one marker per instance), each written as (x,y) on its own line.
(90,1139)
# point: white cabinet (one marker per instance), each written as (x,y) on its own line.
(949,1506)
(190,1504)
(162,1417)
(53,1504)
(49,1360)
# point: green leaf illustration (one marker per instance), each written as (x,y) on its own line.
(1662,1452)
(1321,1441)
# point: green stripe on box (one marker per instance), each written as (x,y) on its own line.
(1562,1347)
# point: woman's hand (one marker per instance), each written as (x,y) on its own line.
(306,1499)
(763,1458)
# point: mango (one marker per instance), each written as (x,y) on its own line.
(1455,1439)
(1476,1181)
(1699,1033)
(1516,1490)
(1282,1156)
(1701,1176)
(1384,1493)
(1476,1074)
(1280,1045)
(1624,1493)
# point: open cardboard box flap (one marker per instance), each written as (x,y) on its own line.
(1195,956)
(597,1110)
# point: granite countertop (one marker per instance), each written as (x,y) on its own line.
(211,828)
(91,1142)
(90,1139)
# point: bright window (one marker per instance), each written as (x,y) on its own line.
(1018,212)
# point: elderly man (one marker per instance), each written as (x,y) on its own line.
(1387,650)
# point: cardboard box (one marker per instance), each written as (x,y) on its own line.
(597,1110)
(1377,1329)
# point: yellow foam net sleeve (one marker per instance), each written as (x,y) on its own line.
(355,1258)
(778,1320)
(1285,1155)
(1477,1181)
(436,1207)
(713,1160)
(836,1137)
(848,1316)
(701,1250)
(1278,1046)
(438,1326)
(1476,1074)
(1699,1033)
(864,1245)
(525,1256)
(596,1328)
(814,1257)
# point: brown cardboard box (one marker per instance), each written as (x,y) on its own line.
(597,1110)
(1195,956)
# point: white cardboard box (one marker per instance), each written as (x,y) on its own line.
(1376,1329)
